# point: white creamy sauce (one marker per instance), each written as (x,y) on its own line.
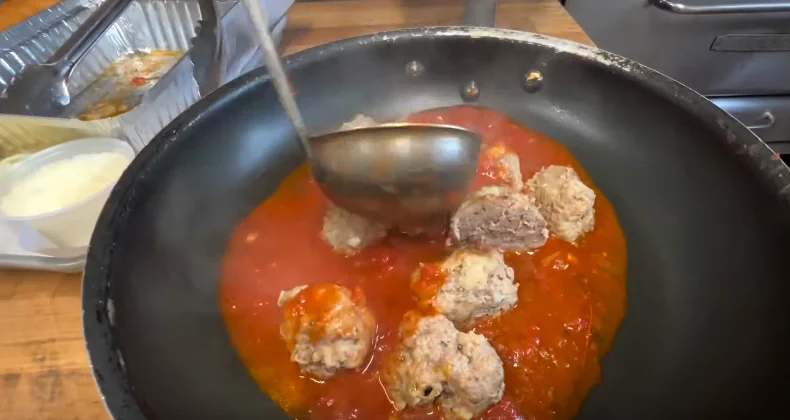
(63,183)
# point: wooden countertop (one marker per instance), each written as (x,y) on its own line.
(44,369)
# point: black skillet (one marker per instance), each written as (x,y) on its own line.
(705,206)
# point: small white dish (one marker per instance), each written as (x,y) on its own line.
(70,227)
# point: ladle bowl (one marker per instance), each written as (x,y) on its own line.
(400,174)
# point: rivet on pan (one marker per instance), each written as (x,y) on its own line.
(533,81)
(470,92)
(415,69)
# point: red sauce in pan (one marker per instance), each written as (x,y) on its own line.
(571,297)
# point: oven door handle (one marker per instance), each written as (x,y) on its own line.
(765,120)
(719,9)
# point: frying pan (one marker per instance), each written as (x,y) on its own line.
(705,207)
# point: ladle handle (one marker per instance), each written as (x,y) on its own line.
(260,21)
(480,13)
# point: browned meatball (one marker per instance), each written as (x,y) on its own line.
(500,218)
(347,233)
(437,363)
(565,202)
(504,165)
(327,328)
(474,284)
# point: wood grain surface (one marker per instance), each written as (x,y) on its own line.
(44,368)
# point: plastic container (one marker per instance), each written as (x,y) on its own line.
(72,226)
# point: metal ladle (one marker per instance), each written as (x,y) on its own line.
(404,174)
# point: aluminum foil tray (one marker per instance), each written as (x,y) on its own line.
(147,25)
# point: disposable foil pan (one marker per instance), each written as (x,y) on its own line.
(145,26)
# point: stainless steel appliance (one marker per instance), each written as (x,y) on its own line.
(736,52)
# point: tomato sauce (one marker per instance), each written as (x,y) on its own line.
(571,297)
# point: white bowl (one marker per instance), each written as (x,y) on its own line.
(72,226)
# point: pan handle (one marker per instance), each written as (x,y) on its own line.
(720,9)
(480,13)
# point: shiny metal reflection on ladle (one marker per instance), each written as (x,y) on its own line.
(405,174)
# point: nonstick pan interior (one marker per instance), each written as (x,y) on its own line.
(703,205)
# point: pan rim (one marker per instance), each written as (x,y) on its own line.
(104,355)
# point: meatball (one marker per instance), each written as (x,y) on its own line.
(437,363)
(326,328)
(360,121)
(347,233)
(416,376)
(565,202)
(503,165)
(500,218)
(512,167)
(476,382)
(475,284)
